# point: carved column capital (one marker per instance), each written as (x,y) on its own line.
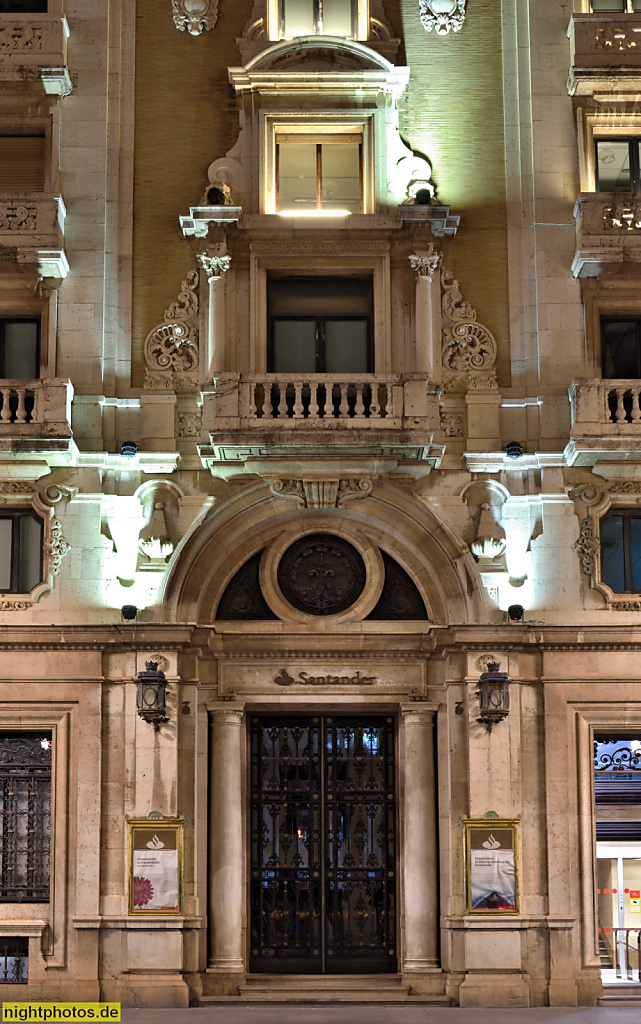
(425,265)
(214,265)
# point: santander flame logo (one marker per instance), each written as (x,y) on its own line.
(490,844)
(155,844)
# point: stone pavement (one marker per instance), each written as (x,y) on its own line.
(266,1014)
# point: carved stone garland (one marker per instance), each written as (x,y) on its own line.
(469,348)
(195,16)
(171,349)
(442,16)
(586,547)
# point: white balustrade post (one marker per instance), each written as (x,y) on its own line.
(420,860)
(226,876)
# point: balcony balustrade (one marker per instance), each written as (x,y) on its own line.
(608,230)
(606,417)
(319,401)
(34,46)
(35,415)
(605,52)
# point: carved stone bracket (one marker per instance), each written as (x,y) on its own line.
(586,547)
(195,16)
(425,265)
(467,346)
(322,493)
(442,16)
(214,264)
(56,547)
(172,346)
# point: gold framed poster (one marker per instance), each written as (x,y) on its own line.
(155,865)
(491,864)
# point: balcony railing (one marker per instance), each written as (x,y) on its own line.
(320,401)
(606,407)
(35,44)
(35,408)
(608,230)
(603,45)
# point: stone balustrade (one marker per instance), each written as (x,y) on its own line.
(608,230)
(32,222)
(35,409)
(606,419)
(322,401)
(603,47)
(35,45)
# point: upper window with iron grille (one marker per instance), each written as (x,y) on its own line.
(25,816)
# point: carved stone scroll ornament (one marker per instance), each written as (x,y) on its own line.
(467,345)
(322,493)
(442,16)
(172,346)
(56,547)
(195,16)
(586,547)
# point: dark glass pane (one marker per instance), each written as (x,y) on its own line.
(294,348)
(608,6)
(298,18)
(20,355)
(23,6)
(636,6)
(346,346)
(613,165)
(619,349)
(320,296)
(635,552)
(30,553)
(612,554)
(6,534)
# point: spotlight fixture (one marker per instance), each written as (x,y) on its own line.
(514,450)
(129,612)
(215,196)
(423,197)
(129,449)
(515,613)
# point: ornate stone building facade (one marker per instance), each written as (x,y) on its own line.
(261,552)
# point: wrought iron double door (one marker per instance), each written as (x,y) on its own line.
(323,845)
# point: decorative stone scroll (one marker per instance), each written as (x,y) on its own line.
(172,346)
(330,493)
(18,218)
(195,16)
(623,217)
(616,37)
(468,347)
(56,547)
(586,547)
(442,16)
(20,37)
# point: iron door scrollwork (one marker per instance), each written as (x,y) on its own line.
(323,845)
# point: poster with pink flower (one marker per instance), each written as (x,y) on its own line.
(154,885)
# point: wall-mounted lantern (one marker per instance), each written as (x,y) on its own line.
(151,697)
(494,695)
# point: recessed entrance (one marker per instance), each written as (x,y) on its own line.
(323,845)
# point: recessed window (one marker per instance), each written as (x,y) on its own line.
(23,6)
(19,349)
(320,325)
(22,163)
(621,348)
(621,550)
(317,18)
(617,165)
(21,564)
(25,817)
(322,173)
(616,6)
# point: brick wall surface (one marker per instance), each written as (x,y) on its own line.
(186,116)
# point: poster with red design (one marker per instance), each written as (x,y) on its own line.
(155,867)
(491,866)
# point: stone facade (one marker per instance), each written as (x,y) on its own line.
(162,451)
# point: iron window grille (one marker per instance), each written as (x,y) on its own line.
(621,550)
(318,18)
(21,551)
(25,817)
(14,961)
(618,164)
(20,350)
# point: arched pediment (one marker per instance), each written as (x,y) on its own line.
(389,520)
(319,53)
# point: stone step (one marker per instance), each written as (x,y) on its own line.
(325,998)
(620,995)
(333,981)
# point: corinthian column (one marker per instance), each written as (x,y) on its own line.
(420,861)
(215,263)
(226,888)
(425,265)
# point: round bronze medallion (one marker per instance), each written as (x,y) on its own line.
(321,574)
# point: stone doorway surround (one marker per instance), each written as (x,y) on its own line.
(330,683)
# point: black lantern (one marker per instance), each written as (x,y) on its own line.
(151,696)
(494,695)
